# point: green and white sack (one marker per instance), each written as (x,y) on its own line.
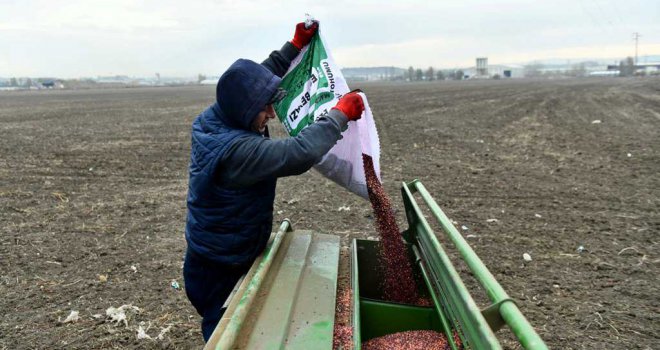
(315,84)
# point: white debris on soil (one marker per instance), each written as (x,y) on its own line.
(537,216)
(142,333)
(597,121)
(103,278)
(344,208)
(580,249)
(161,335)
(464,228)
(97,316)
(133,268)
(527,257)
(73,317)
(629,155)
(118,314)
(174,284)
(492,220)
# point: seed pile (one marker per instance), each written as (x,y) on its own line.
(398,285)
(423,301)
(409,340)
(342,338)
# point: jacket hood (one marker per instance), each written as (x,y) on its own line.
(243,91)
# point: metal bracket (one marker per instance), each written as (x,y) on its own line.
(289,225)
(493,316)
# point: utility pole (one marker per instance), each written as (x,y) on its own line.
(636,36)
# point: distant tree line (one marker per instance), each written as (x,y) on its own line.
(536,70)
(627,67)
(430,74)
(23,82)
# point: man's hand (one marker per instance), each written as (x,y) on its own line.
(304,35)
(351,105)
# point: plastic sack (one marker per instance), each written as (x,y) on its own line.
(315,84)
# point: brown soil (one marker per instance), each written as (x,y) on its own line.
(94,182)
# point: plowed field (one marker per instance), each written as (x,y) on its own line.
(93,186)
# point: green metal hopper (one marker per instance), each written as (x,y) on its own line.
(454,309)
(287,299)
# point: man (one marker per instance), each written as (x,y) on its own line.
(234,167)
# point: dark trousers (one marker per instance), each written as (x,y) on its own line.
(208,284)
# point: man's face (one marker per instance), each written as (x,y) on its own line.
(259,123)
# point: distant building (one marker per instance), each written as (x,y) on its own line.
(209,81)
(50,83)
(373,73)
(482,67)
(604,73)
(647,68)
(117,79)
(507,71)
(494,71)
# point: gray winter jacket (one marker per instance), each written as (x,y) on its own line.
(249,160)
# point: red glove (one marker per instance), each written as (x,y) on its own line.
(351,105)
(304,35)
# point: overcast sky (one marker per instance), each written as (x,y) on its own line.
(77,38)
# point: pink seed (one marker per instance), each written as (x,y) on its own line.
(411,340)
(398,285)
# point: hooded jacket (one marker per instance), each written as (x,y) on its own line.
(233,170)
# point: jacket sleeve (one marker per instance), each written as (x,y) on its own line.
(278,62)
(249,160)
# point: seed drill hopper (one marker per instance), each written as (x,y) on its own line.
(287,299)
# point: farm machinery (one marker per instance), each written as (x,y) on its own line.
(287,299)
